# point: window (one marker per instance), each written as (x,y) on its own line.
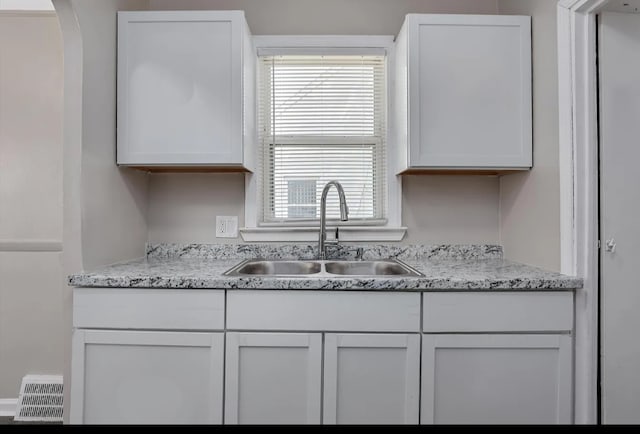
(322,118)
(322,115)
(301,202)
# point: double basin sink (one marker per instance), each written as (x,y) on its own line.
(317,268)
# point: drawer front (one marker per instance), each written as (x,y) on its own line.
(148,309)
(451,312)
(323,311)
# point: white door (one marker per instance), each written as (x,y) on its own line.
(146,377)
(273,378)
(371,378)
(496,379)
(619,59)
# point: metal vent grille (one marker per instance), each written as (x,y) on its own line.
(40,399)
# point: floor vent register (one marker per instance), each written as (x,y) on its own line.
(40,399)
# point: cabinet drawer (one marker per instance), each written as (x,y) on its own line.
(498,312)
(323,311)
(148,309)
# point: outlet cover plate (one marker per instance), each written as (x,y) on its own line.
(226,226)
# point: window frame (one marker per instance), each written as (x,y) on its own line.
(392,230)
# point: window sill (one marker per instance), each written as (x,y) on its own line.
(299,234)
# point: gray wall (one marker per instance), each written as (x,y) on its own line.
(330,17)
(114,201)
(183,206)
(31,105)
(455,209)
(530,201)
(436,209)
(105,207)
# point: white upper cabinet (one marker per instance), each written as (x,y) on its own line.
(186,89)
(463,93)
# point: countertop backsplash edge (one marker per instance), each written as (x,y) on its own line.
(345,251)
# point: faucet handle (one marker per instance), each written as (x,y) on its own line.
(336,238)
(359,253)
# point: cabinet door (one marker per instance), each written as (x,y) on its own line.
(180,88)
(273,378)
(127,377)
(469,91)
(371,378)
(496,379)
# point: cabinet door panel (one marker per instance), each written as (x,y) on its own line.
(124,377)
(496,379)
(378,311)
(371,378)
(179,88)
(490,311)
(273,378)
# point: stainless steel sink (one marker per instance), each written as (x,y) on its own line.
(370,268)
(320,268)
(275,268)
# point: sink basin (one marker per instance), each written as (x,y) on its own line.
(275,268)
(370,268)
(313,268)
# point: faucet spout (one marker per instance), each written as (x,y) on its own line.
(344,214)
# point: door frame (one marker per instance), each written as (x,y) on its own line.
(577,101)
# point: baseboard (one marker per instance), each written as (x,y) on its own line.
(8,407)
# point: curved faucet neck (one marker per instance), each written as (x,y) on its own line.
(344,214)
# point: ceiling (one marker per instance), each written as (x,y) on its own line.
(627,6)
(26,5)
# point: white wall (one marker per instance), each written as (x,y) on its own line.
(31,105)
(530,201)
(182,207)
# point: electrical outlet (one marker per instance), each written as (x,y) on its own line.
(226,226)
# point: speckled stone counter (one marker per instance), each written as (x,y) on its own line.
(445,267)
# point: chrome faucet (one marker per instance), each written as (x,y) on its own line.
(344,215)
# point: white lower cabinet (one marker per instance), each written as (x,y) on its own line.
(496,379)
(273,378)
(321,357)
(371,378)
(497,357)
(276,371)
(146,377)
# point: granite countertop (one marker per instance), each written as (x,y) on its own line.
(445,267)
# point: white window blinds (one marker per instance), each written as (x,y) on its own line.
(322,118)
